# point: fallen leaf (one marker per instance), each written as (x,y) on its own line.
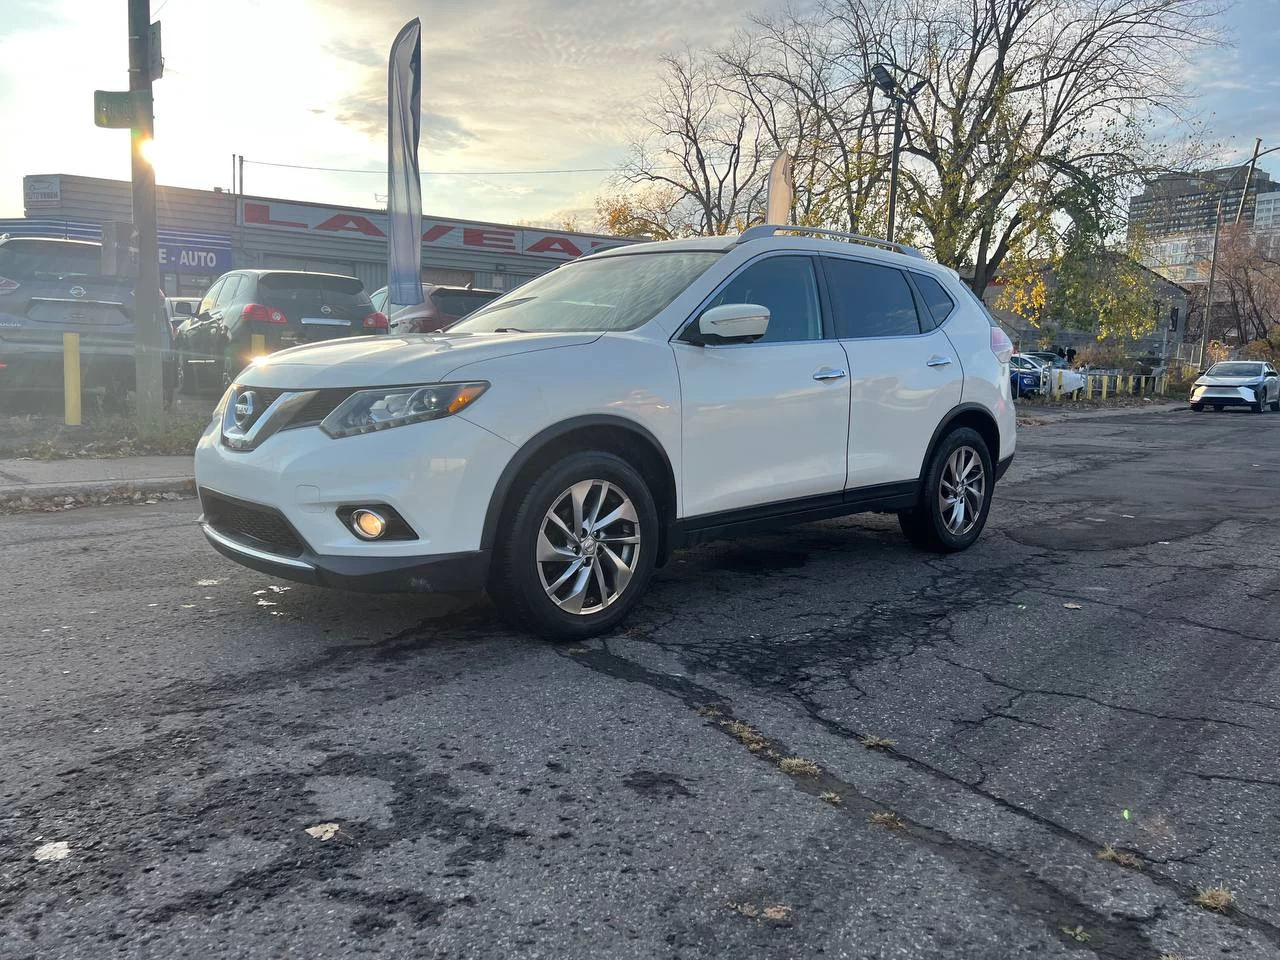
(274,589)
(777,912)
(1073,606)
(58,850)
(323,831)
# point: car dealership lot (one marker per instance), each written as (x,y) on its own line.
(179,722)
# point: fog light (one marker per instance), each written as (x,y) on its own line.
(368,524)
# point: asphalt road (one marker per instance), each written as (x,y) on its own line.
(179,722)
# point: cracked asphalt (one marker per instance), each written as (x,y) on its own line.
(179,722)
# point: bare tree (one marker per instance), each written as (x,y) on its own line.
(1249,278)
(702,143)
(1023,100)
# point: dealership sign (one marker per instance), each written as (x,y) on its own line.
(180,257)
(458,234)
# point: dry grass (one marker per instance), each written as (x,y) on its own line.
(708,712)
(778,913)
(887,819)
(799,765)
(746,909)
(1172,956)
(872,742)
(831,797)
(1215,898)
(775,913)
(1123,857)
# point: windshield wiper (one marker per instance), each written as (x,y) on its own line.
(509,330)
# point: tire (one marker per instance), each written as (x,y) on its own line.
(1261,403)
(539,595)
(1198,407)
(1275,405)
(1218,408)
(925,525)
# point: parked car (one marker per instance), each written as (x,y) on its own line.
(286,307)
(1062,380)
(1237,383)
(1026,375)
(1048,357)
(559,443)
(440,307)
(50,286)
(178,309)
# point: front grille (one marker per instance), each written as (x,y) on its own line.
(251,524)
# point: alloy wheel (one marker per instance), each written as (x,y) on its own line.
(962,490)
(588,547)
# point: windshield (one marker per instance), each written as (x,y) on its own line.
(611,293)
(1236,369)
(49,258)
(458,303)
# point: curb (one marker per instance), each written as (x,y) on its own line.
(47,497)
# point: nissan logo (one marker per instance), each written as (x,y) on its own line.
(326,310)
(77,291)
(246,407)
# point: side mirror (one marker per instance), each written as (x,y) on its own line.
(733,323)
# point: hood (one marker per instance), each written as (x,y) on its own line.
(1207,381)
(388,360)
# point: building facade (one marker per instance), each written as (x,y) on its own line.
(204,233)
(1176,214)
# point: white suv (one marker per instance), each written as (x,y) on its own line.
(558,444)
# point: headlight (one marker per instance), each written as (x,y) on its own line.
(222,404)
(387,407)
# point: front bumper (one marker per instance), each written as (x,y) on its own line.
(1224,396)
(438,476)
(442,573)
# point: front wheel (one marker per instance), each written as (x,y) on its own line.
(579,548)
(955,495)
(1261,403)
(1198,407)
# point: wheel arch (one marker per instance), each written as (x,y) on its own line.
(618,435)
(973,415)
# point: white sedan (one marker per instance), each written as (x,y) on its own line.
(1070,379)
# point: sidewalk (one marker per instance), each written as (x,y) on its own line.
(1035,416)
(79,478)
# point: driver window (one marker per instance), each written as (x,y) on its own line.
(787,286)
(210,297)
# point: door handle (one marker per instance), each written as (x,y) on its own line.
(938,361)
(829,373)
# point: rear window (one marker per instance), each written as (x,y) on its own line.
(292,292)
(48,258)
(458,303)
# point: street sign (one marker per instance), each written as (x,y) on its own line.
(120,109)
(155,60)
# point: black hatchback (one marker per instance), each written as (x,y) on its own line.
(285,307)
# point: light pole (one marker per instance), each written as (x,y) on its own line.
(886,81)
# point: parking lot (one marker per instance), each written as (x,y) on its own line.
(1099,669)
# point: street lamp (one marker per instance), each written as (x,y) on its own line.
(886,81)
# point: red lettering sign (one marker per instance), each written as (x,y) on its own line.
(350,223)
(555,245)
(438,232)
(261,213)
(490,239)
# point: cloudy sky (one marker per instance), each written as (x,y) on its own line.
(509,85)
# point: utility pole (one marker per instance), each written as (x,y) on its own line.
(149,335)
(1208,294)
(1244,194)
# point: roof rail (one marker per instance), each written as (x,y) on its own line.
(768,230)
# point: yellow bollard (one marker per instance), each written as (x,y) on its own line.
(71,379)
(258,345)
(1104,387)
(1088,387)
(1131,385)
(1057,391)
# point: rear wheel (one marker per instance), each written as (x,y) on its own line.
(1275,405)
(955,495)
(579,549)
